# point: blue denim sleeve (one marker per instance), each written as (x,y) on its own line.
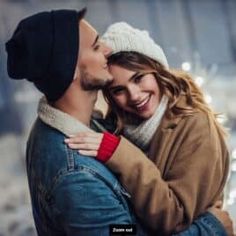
(205,225)
(86,205)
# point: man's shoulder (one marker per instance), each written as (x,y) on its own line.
(43,131)
(46,144)
(49,144)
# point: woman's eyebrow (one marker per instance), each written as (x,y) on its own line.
(134,76)
(137,75)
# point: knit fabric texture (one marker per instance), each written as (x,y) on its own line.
(59,120)
(142,134)
(107,147)
(122,37)
(44,50)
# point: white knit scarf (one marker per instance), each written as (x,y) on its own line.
(142,134)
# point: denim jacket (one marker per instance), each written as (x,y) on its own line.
(71,194)
(76,195)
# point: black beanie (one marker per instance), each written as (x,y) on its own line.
(44,50)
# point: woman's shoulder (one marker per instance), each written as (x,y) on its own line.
(197,116)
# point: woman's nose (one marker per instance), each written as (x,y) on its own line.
(134,94)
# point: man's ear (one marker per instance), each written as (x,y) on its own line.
(76,73)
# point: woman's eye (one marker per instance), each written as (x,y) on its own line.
(138,78)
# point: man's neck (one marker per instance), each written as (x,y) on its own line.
(80,106)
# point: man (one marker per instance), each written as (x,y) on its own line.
(71,194)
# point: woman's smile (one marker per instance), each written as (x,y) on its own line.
(134,92)
(142,105)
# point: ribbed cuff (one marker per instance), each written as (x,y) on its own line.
(107,146)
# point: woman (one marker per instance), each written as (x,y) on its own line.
(183,166)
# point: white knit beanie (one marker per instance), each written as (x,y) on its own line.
(123,37)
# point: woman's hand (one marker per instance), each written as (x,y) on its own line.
(223,216)
(87,143)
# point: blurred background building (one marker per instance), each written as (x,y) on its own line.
(198,36)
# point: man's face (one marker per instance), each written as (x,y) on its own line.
(92,62)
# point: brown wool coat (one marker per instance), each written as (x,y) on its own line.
(184,175)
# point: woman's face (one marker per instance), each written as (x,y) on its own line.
(139,95)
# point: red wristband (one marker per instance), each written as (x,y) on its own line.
(107,146)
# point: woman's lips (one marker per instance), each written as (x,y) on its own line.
(143,104)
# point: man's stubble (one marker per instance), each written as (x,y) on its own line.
(89,82)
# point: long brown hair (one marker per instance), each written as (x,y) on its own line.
(172,83)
